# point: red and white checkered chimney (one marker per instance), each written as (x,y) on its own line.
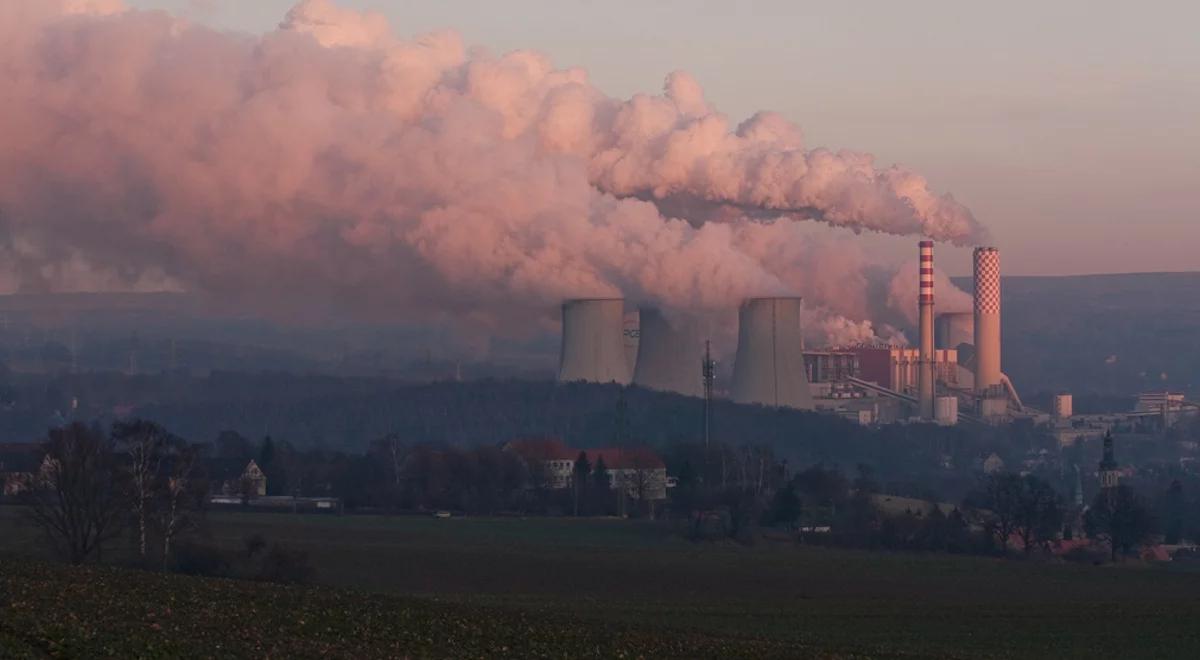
(987,319)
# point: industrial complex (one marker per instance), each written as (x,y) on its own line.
(953,374)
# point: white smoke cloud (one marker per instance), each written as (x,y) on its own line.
(903,293)
(331,162)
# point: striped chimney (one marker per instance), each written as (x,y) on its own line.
(987,319)
(926,375)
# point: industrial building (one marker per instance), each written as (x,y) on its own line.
(953,372)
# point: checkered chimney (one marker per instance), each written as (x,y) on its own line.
(987,319)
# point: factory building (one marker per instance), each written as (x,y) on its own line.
(1158,402)
(897,367)
(830,366)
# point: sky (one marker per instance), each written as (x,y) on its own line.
(1069,128)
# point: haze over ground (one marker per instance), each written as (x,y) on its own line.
(1069,129)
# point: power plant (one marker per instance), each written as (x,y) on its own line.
(669,354)
(672,354)
(593,346)
(769,367)
(953,373)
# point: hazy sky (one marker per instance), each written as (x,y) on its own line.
(1071,129)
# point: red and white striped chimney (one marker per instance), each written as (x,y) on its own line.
(926,375)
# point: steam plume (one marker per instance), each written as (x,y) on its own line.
(330,162)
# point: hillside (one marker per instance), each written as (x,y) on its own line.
(1095,334)
(1103,334)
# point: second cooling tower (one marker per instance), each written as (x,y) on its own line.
(593,345)
(769,368)
(670,354)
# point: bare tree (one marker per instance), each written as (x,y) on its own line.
(77,501)
(1038,517)
(1002,497)
(142,443)
(181,495)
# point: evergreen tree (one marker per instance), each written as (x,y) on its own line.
(601,488)
(785,509)
(579,478)
(1174,509)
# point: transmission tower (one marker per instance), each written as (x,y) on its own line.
(708,368)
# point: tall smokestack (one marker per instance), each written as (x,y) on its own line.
(925,376)
(769,368)
(593,347)
(987,319)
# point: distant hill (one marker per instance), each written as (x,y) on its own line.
(1102,334)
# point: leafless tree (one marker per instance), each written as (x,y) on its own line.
(76,500)
(142,444)
(182,494)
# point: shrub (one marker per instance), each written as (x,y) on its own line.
(254,544)
(193,558)
(285,565)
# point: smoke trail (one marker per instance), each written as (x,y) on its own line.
(330,163)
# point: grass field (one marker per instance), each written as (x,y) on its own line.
(640,586)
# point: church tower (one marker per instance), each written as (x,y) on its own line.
(1109,476)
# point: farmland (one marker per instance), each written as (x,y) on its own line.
(579,587)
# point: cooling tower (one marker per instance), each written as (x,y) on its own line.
(631,333)
(925,373)
(769,367)
(987,319)
(593,346)
(670,355)
(952,329)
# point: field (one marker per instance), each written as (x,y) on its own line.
(562,587)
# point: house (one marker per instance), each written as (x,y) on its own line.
(231,477)
(18,465)
(638,470)
(551,462)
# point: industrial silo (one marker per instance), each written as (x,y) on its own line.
(946,410)
(670,354)
(769,367)
(1063,406)
(593,346)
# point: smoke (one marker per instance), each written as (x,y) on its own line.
(903,293)
(331,164)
